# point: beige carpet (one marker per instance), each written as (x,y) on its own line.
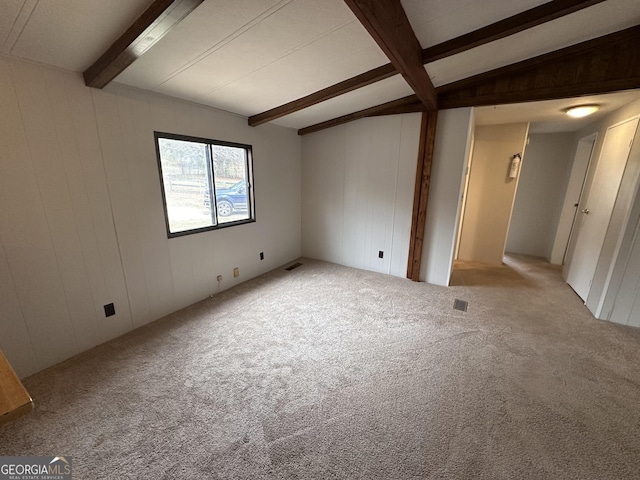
(330,372)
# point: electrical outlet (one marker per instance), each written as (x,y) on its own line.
(219,278)
(261,255)
(380,254)
(236,272)
(109,310)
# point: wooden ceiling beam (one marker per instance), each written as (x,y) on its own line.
(506,27)
(367,112)
(387,23)
(606,64)
(603,65)
(503,28)
(145,32)
(353,83)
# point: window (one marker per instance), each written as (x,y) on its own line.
(206,184)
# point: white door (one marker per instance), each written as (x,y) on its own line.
(572,198)
(596,209)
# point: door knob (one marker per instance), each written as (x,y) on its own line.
(585,211)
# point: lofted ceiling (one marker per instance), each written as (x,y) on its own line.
(248,56)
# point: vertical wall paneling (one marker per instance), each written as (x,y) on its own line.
(385,145)
(324,177)
(79,237)
(276,212)
(408,154)
(82,222)
(154,249)
(355,195)
(453,137)
(14,341)
(102,257)
(116,156)
(358,191)
(25,234)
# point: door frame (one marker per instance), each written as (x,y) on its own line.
(582,176)
(584,198)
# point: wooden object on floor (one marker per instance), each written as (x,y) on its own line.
(14,399)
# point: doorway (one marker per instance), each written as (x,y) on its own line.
(489,194)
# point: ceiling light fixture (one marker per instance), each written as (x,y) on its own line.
(580,111)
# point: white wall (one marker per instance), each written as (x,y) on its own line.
(540,194)
(357,192)
(453,139)
(82,224)
(491,192)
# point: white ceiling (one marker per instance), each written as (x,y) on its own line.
(247,56)
(549,116)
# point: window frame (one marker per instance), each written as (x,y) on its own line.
(211,182)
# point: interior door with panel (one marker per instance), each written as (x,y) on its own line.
(597,206)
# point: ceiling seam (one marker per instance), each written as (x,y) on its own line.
(228,39)
(286,54)
(10,35)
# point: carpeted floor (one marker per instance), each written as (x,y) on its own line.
(330,372)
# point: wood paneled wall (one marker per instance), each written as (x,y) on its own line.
(81,219)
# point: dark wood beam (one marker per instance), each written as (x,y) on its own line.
(353,83)
(409,107)
(603,65)
(421,193)
(508,26)
(606,64)
(145,32)
(367,112)
(504,28)
(387,23)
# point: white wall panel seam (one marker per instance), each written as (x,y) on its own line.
(134,210)
(395,195)
(83,174)
(113,221)
(228,39)
(47,222)
(19,23)
(19,304)
(83,264)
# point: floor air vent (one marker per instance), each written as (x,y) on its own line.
(460,305)
(291,267)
